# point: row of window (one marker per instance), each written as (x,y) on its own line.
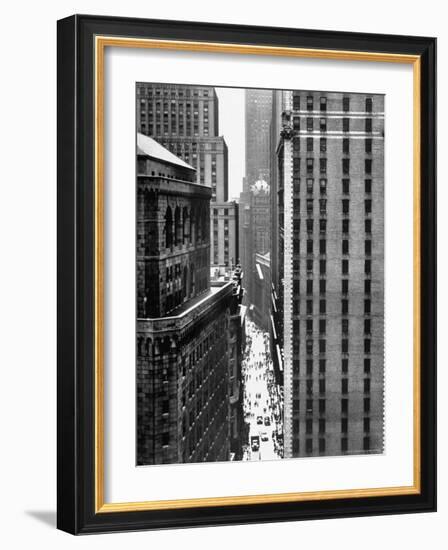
(323,102)
(143,90)
(368,164)
(323,126)
(323,366)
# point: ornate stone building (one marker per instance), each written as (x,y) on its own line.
(183,321)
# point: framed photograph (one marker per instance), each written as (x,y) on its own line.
(246,274)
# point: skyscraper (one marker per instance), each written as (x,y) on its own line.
(331,166)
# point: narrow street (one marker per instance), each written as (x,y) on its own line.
(261,400)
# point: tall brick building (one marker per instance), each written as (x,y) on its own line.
(183,322)
(331,171)
(185,120)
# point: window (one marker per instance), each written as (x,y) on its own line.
(366,424)
(368,248)
(296,164)
(323,207)
(345,267)
(344,425)
(345,225)
(367,326)
(296,102)
(368,125)
(322,425)
(345,186)
(309,326)
(296,144)
(367,307)
(368,166)
(344,345)
(323,346)
(344,326)
(309,102)
(296,368)
(345,246)
(309,185)
(309,367)
(346,166)
(322,246)
(345,145)
(309,144)
(309,246)
(367,365)
(309,124)
(322,366)
(309,446)
(322,286)
(368,267)
(344,365)
(344,404)
(296,123)
(322,406)
(367,345)
(366,385)
(296,184)
(323,165)
(367,286)
(345,124)
(309,225)
(322,267)
(366,443)
(323,124)
(323,225)
(323,186)
(309,426)
(368,186)
(323,145)
(344,444)
(368,226)
(309,307)
(345,103)
(309,165)
(165,439)
(322,326)
(366,404)
(322,306)
(323,103)
(368,145)
(309,266)
(368,206)
(309,286)
(309,206)
(309,405)
(344,306)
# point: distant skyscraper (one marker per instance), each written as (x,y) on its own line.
(331,166)
(258,114)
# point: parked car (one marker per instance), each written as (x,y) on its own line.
(255,442)
(264,436)
(259,420)
(267,421)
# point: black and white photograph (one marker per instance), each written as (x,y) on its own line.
(259,273)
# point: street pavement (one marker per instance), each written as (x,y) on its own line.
(259,398)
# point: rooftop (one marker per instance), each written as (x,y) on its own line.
(150,148)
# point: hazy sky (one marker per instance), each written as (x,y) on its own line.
(231,126)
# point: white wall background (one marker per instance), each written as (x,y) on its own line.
(28,272)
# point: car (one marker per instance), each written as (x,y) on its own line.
(264,436)
(267,421)
(255,443)
(259,420)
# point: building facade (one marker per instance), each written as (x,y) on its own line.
(225,234)
(183,321)
(331,169)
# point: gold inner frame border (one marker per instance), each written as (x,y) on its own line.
(100,44)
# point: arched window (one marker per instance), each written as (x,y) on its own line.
(168,228)
(185,224)
(177,226)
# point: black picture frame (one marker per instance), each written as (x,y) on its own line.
(76,286)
